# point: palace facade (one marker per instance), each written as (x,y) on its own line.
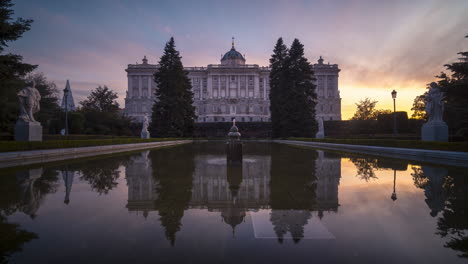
(232,89)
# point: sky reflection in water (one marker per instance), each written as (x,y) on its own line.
(184,204)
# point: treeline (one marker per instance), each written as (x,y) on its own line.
(98,114)
(454,85)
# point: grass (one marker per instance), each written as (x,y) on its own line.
(414,144)
(8,146)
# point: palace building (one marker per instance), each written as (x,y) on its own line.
(231,89)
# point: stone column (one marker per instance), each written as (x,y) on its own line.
(325,86)
(140,90)
(256,86)
(129,88)
(210,86)
(149,87)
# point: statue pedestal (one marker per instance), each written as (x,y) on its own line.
(234,152)
(145,134)
(319,135)
(28,131)
(434,131)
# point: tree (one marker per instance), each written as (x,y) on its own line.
(294,97)
(277,87)
(365,110)
(455,87)
(419,111)
(12,69)
(173,110)
(101,99)
(101,112)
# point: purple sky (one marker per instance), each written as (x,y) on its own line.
(379,45)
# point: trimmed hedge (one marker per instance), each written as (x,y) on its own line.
(415,144)
(221,129)
(7,146)
(48,137)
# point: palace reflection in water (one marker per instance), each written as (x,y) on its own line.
(235,190)
(297,187)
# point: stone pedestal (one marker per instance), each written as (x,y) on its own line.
(234,152)
(145,134)
(320,134)
(434,131)
(28,131)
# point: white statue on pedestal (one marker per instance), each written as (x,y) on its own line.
(321,129)
(435,129)
(434,103)
(29,98)
(27,128)
(144,130)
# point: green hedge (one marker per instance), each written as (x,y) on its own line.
(48,137)
(6,146)
(415,144)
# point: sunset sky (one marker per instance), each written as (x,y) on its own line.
(379,45)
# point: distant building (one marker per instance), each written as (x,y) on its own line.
(232,89)
(67,99)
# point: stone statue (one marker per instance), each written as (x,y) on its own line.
(321,130)
(29,98)
(27,128)
(144,130)
(434,103)
(435,129)
(145,124)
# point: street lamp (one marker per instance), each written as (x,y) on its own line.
(394,183)
(394,114)
(65,94)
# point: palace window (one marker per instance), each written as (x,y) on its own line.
(242,92)
(232,93)
(144,82)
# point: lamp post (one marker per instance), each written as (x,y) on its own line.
(393,197)
(394,93)
(65,94)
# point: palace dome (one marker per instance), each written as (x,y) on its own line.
(232,54)
(233,57)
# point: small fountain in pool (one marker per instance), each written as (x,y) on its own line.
(234,145)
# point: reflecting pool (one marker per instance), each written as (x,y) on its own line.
(283,204)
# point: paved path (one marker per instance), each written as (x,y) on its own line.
(433,156)
(18,158)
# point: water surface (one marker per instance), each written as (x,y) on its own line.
(184,204)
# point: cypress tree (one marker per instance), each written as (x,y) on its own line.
(173,110)
(300,97)
(277,86)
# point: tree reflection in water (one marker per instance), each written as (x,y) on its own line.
(22,191)
(445,192)
(102,174)
(173,168)
(292,190)
(365,167)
